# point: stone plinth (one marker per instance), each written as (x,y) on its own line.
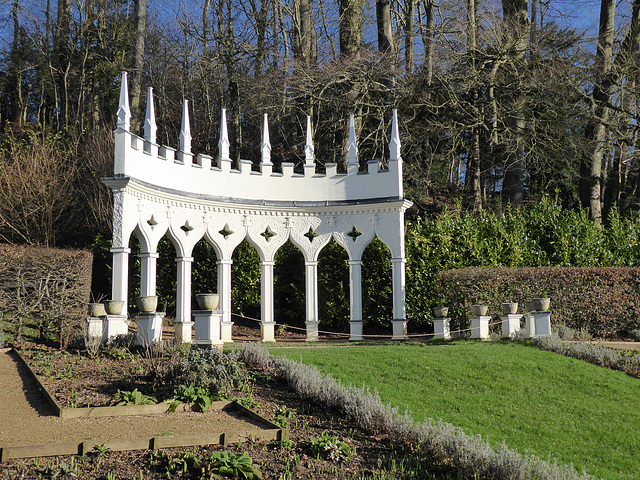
(480,326)
(529,325)
(226,330)
(312,331)
(149,328)
(267,331)
(399,329)
(183,332)
(542,322)
(355,330)
(510,324)
(114,325)
(94,327)
(441,328)
(208,329)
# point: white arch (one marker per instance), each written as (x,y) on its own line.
(158,190)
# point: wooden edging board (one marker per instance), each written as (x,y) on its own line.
(271,432)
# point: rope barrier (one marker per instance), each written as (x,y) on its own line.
(340,334)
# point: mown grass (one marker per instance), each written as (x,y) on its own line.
(537,402)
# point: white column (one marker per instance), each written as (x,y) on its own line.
(399,313)
(355,296)
(183,299)
(224,290)
(480,326)
(267,326)
(148,263)
(311,300)
(120,275)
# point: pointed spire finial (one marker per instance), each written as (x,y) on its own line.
(150,127)
(266,142)
(124,113)
(394,143)
(185,129)
(352,149)
(308,148)
(223,143)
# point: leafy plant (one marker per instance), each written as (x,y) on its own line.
(231,464)
(283,416)
(330,447)
(248,402)
(191,394)
(134,397)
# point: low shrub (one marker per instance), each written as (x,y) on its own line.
(208,369)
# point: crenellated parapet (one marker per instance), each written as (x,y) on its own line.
(180,170)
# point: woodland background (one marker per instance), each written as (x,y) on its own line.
(519,126)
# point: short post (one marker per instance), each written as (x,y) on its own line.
(510,324)
(441,328)
(149,328)
(183,332)
(208,325)
(480,326)
(529,325)
(542,322)
(115,325)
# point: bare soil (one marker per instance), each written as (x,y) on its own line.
(76,379)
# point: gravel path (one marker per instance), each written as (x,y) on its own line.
(27,419)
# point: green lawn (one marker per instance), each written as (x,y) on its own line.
(534,401)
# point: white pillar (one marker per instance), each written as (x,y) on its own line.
(267,327)
(480,326)
(224,290)
(399,311)
(510,324)
(183,299)
(542,322)
(355,296)
(120,275)
(441,328)
(148,263)
(311,300)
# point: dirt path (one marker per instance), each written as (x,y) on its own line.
(26,418)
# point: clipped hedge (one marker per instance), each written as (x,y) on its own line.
(605,301)
(51,286)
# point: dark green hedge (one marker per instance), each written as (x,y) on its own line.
(606,301)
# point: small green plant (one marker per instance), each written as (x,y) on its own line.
(230,464)
(134,397)
(249,402)
(63,469)
(281,329)
(191,394)
(286,445)
(99,451)
(330,447)
(284,416)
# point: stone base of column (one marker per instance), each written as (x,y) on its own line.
(149,328)
(542,322)
(267,331)
(113,326)
(95,328)
(226,332)
(312,331)
(441,328)
(480,327)
(399,329)
(208,327)
(510,325)
(355,329)
(183,332)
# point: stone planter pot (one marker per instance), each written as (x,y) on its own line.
(113,307)
(440,312)
(96,310)
(541,304)
(208,301)
(509,308)
(147,304)
(480,310)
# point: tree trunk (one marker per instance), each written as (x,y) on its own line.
(351,28)
(138,64)
(409,30)
(474,178)
(516,33)
(428,40)
(61,61)
(385,32)
(596,131)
